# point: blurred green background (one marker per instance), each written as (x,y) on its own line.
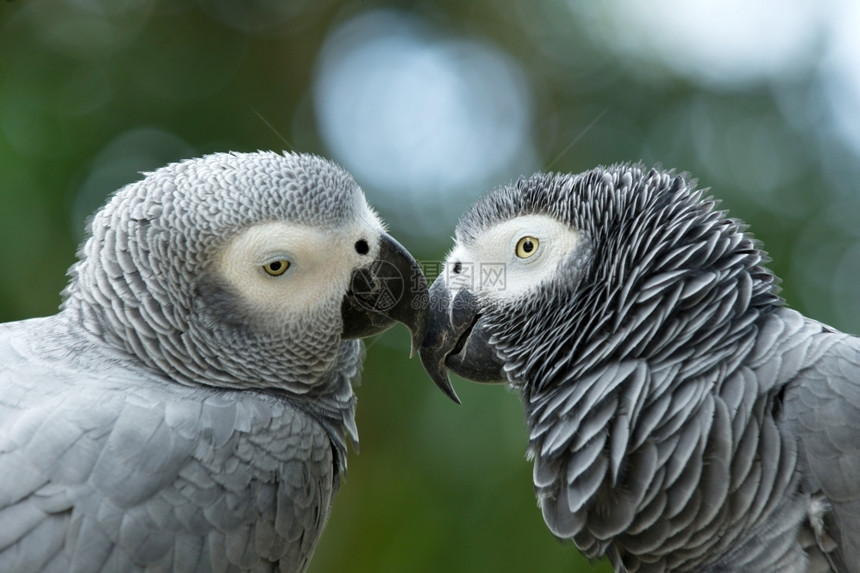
(431,104)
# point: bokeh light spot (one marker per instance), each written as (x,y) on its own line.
(426,119)
(725,43)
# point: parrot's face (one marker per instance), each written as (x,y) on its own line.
(502,268)
(528,248)
(285,272)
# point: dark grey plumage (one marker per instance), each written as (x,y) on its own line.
(680,417)
(187,411)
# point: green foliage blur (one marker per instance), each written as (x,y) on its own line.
(93,93)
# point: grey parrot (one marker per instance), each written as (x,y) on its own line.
(189,407)
(680,416)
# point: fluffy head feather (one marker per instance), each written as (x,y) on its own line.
(172,269)
(642,236)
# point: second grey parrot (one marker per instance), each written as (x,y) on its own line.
(680,417)
(189,407)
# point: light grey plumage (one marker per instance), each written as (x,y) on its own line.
(186,411)
(680,417)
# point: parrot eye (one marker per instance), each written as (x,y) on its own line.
(276,268)
(527,246)
(361,247)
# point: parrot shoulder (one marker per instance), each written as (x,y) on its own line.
(821,406)
(116,469)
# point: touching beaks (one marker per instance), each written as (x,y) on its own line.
(390,289)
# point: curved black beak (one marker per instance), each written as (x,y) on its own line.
(458,340)
(390,289)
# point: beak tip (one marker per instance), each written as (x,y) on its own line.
(442,380)
(448,389)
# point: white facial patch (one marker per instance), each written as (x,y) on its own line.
(320,262)
(512,257)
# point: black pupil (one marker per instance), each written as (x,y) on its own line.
(275,267)
(361,247)
(528,246)
(458,266)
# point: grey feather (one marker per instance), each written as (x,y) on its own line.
(680,417)
(154,424)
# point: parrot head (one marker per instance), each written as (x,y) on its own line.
(244,270)
(558,272)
